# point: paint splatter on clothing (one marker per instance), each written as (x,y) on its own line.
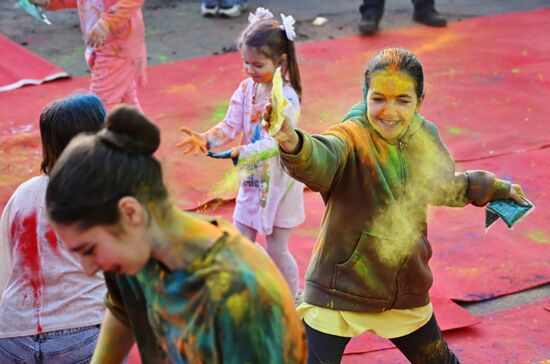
(126,302)
(42,286)
(231,305)
(267,195)
(120,63)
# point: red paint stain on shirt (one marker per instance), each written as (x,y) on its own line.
(24,236)
(52,240)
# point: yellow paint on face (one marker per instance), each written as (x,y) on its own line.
(391,102)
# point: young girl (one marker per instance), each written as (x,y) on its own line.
(269,201)
(49,310)
(377,172)
(115,46)
(211,296)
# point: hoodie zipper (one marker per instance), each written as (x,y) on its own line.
(402,165)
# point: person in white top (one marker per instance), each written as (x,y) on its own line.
(50,310)
(269,200)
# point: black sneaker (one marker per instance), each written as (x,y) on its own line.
(431,18)
(368,25)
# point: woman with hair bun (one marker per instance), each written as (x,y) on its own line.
(211,295)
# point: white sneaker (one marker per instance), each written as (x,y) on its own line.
(233,11)
(209,10)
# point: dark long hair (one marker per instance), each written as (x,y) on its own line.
(63,119)
(94,172)
(267,38)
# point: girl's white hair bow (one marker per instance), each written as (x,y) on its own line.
(260,14)
(288,26)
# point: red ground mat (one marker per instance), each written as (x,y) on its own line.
(518,335)
(19,67)
(481,74)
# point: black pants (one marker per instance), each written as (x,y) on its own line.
(424,346)
(376,7)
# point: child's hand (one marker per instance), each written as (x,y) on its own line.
(97,35)
(517,194)
(235,152)
(194,142)
(41,3)
(287,137)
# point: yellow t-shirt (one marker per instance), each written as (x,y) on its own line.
(388,324)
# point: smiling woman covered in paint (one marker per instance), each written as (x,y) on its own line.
(50,310)
(211,295)
(377,172)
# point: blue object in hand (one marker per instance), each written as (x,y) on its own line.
(223,155)
(508,210)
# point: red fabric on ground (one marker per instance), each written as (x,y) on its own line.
(480,73)
(517,335)
(19,67)
(472,265)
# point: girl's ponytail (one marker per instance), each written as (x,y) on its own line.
(293,70)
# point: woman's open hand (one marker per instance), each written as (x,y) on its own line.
(287,137)
(194,142)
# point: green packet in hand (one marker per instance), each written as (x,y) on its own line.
(508,210)
(34,10)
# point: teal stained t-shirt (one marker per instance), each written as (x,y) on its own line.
(230,305)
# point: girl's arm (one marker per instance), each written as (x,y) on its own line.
(232,125)
(461,188)
(484,187)
(224,132)
(119,14)
(115,341)
(317,161)
(5,253)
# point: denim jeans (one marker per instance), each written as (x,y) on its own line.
(222,2)
(70,346)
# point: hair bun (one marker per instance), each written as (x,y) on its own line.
(129,130)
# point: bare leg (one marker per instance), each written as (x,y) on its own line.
(249,233)
(277,248)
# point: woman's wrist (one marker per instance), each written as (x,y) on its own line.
(292,144)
